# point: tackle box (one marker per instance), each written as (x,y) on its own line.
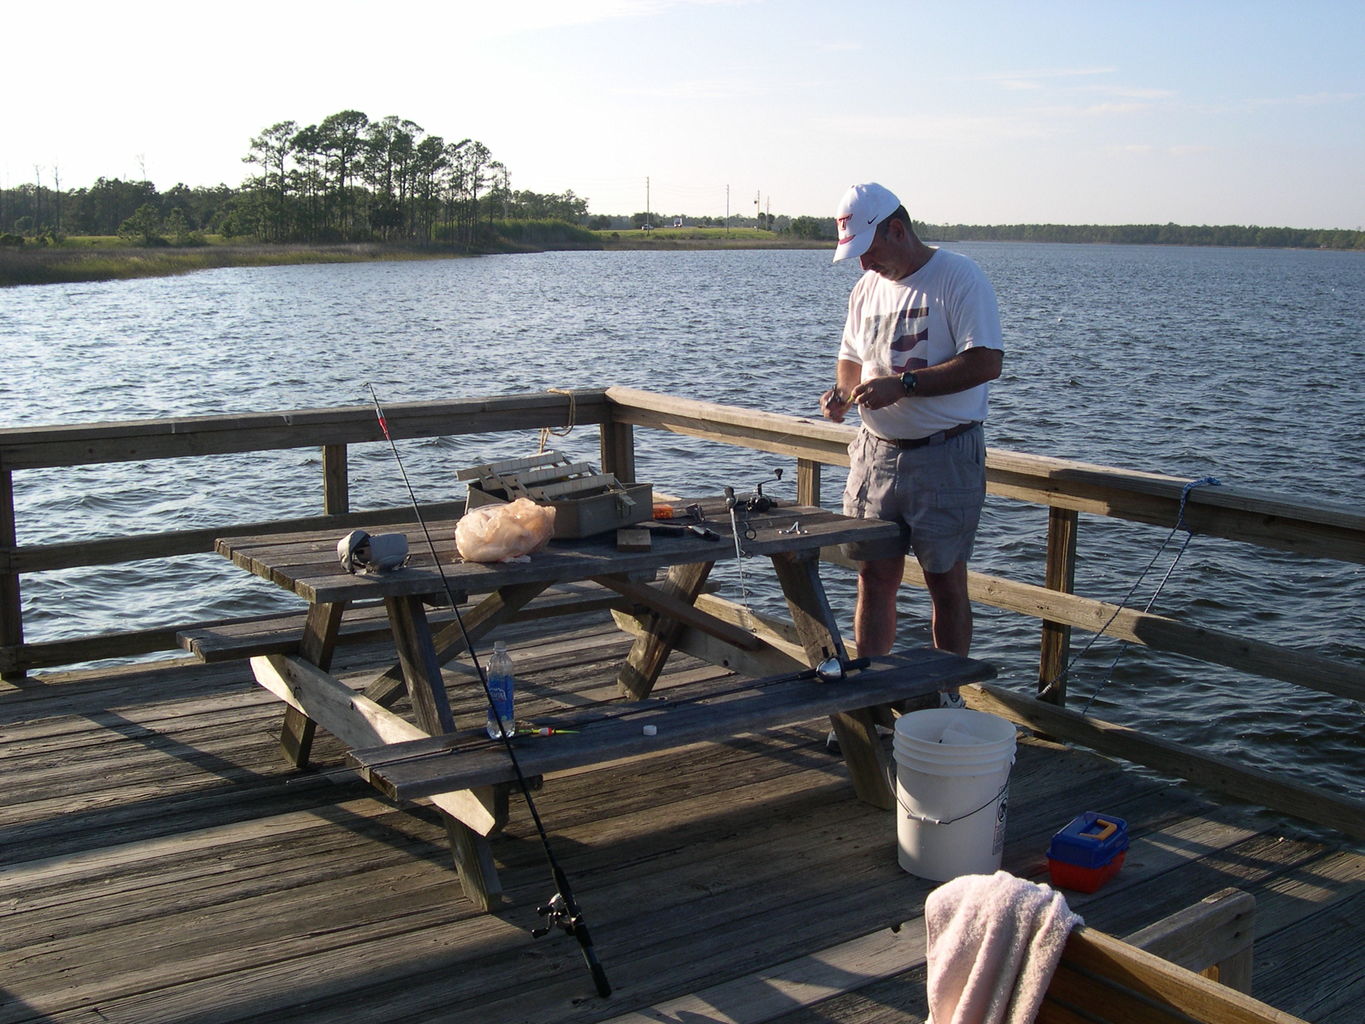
(1088,852)
(585,502)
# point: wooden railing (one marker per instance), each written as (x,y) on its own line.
(1064,488)
(332,430)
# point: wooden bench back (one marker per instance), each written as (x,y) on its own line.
(1102,978)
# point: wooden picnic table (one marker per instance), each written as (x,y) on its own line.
(474,805)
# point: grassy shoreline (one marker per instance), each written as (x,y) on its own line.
(76,263)
(107,259)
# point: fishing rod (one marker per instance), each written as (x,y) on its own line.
(560,910)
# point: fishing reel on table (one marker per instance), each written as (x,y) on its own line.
(757,501)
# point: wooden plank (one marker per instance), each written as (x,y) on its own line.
(799,574)
(805,981)
(808,475)
(359,722)
(660,600)
(426,689)
(650,884)
(1288,664)
(11,605)
(1208,770)
(1128,985)
(115,550)
(307,564)
(633,539)
(719,710)
(315,646)
(775,992)
(616,444)
(651,650)
(1320,529)
(1061,576)
(781,653)
(466,628)
(1215,935)
(336,482)
(136,440)
(421,670)
(280,634)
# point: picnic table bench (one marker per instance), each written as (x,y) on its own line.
(708,711)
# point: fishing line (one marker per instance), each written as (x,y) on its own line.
(1123,646)
(561,909)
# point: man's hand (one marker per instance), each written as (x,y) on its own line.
(878,393)
(833,405)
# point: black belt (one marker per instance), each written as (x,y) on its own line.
(920,442)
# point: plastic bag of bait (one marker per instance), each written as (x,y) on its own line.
(501,533)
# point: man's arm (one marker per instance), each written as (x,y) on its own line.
(965,370)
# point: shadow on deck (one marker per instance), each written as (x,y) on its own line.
(161,864)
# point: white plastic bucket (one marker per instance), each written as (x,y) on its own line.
(952,788)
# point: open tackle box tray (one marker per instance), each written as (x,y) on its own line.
(585,502)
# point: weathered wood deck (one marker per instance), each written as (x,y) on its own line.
(158,862)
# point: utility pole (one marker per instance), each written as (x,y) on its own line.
(727,211)
(648,218)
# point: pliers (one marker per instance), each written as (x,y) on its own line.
(704,532)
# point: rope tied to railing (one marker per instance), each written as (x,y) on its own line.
(1123,646)
(547,432)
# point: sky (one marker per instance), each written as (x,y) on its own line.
(1192,112)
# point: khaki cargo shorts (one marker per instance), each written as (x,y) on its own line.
(935,492)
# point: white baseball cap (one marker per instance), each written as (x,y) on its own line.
(860,211)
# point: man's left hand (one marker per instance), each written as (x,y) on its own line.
(878,393)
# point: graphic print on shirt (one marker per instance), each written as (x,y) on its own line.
(898,335)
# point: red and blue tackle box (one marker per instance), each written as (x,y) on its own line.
(1088,852)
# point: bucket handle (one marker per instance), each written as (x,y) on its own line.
(961,817)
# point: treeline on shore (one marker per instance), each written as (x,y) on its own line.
(1250,236)
(1156,234)
(350,179)
(347,179)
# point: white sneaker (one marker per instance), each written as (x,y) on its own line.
(951,700)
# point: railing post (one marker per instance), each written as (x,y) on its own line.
(11,608)
(618,451)
(336,485)
(808,482)
(1061,576)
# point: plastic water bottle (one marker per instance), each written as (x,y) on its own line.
(502,688)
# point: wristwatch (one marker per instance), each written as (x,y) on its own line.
(908,382)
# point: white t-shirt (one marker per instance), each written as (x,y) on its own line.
(945,307)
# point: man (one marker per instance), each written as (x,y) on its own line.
(921,342)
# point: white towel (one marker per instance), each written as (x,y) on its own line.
(994,942)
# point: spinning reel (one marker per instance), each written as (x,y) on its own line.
(755,502)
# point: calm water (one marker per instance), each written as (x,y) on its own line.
(1238,364)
